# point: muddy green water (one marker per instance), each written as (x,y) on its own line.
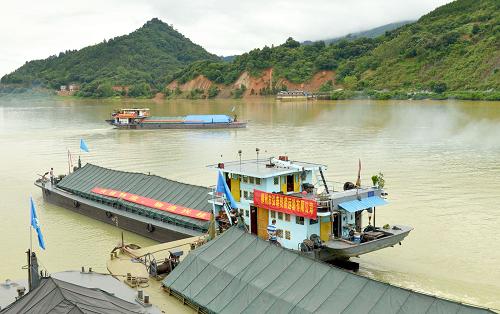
(440,160)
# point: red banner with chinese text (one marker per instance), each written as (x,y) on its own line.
(286,204)
(148,202)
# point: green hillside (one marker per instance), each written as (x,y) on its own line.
(454,48)
(457,44)
(147,55)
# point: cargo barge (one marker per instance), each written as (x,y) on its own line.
(149,205)
(139,118)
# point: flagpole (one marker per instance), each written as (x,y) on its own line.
(31,239)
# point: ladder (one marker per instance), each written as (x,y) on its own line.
(320,177)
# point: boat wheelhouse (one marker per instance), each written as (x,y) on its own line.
(294,95)
(311,214)
(140,118)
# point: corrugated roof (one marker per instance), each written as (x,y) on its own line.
(56,296)
(82,181)
(240,273)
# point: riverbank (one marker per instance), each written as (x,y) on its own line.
(241,93)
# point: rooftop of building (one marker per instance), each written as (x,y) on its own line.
(266,167)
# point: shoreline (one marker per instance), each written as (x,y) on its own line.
(489,95)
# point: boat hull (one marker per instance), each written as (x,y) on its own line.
(162,125)
(144,226)
(335,249)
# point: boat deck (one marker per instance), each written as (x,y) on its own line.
(345,244)
(127,262)
(344,248)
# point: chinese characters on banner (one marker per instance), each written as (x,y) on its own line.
(286,204)
(148,202)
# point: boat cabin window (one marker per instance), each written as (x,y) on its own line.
(247,213)
(287,217)
(250,195)
(299,220)
(276,180)
(245,179)
(280,215)
(273,214)
(287,235)
(313,221)
(234,176)
(252,180)
(257,181)
(245,194)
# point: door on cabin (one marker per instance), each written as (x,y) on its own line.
(325,228)
(358,221)
(253,220)
(235,187)
(336,225)
(283,184)
(296,183)
(262,222)
(289,183)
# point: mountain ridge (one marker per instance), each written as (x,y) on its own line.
(147,55)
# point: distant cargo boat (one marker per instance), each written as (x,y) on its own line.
(139,118)
(294,95)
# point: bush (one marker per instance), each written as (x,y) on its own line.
(213,91)
(140,90)
(238,93)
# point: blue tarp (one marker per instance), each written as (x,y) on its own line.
(209,118)
(364,203)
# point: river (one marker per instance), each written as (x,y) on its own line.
(440,160)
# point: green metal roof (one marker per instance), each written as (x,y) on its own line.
(240,273)
(82,181)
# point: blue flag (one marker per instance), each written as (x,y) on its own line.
(83,146)
(36,225)
(223,188)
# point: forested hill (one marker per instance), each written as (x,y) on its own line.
(149,55)
(454,48)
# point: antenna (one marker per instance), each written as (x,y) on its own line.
(257,150)
(239,153)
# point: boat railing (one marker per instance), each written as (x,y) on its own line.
(216,197)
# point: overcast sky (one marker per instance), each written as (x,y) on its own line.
(36,29)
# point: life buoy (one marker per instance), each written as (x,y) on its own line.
(109,215)
(150,228)
(76,204)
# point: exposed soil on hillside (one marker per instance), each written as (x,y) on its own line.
(255,86)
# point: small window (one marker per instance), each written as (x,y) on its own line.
(313,221)
(247,213)
(280,215)
(250,196)
(257,181)
(287,235)
(245,179)
(287,217)
(276,180)
(279,233)
(252,180)
(245,194)
(299,220)
(273,214)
